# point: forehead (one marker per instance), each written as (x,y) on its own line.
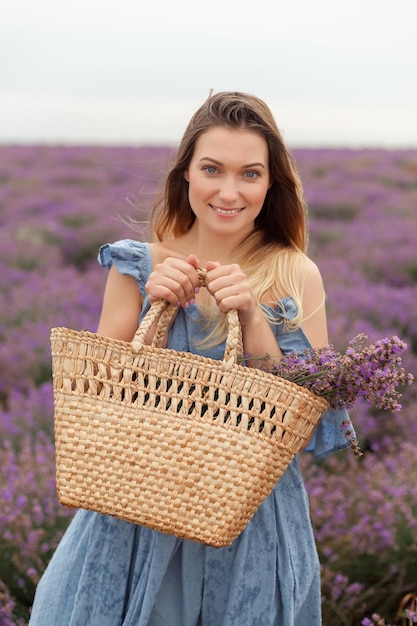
(222,143)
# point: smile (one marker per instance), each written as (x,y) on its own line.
(225,211)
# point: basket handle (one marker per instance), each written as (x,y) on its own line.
(163,312)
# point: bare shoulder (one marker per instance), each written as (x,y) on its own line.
(309,283)
(313,301)
(311,273)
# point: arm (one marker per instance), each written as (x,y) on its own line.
(259,340)
(314,322)
(122,304)
(314,312)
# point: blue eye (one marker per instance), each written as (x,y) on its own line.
(210,169)
(251,174)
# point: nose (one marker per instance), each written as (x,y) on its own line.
(229,190)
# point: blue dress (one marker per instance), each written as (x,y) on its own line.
(107,572)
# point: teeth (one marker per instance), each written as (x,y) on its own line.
(226,211)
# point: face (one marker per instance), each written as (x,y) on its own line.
(228,180)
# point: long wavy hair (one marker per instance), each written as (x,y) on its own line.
(282,219)
(281,226)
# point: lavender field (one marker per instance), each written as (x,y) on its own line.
(59,204)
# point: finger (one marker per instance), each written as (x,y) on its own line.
(188,268)
(165,288)
(173,281)
(211,265)
(193,260)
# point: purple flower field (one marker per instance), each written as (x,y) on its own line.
(59,204)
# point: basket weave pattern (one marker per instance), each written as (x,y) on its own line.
(174,441)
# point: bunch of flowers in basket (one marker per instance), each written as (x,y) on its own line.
(372,372)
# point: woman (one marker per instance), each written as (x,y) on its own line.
(233,206)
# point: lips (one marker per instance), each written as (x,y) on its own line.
(221,211)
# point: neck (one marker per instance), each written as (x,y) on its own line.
(210,248)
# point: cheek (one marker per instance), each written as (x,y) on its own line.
(194,196)
(260,195)
(199,189)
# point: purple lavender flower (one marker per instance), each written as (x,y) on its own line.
(373,372)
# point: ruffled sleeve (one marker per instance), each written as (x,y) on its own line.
(129,257)
(330,434)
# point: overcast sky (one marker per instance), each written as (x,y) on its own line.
(334,72)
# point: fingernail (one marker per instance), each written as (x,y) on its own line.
(197,289)
(192,301)
(186,305)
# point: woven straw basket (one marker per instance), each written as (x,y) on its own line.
(180,443)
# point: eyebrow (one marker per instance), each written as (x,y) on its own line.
(206,158)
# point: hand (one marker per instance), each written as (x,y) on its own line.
(175,280)
(230,287)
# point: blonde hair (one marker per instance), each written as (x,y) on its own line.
(273,272)
(281,226)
